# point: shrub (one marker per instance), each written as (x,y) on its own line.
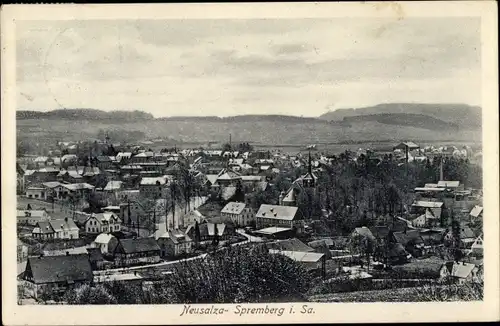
(87,294)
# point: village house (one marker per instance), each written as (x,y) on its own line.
(96,259)
(227,178)
(153,187)
(130,252)
(174,243)
(32,217)
(477,247)
(55,274)
(41,175)
(462,272)
(467,236)
(104,162)
(292,244)
(123,157)
(280,216)
(239,213)
(426,220)
(435,208)
(91,174)
(192,217)
(451,185)
(209,230)
(105,242)
(476,214)
(309,260)
(53,189)
(56,229)
(79,190)
(71,175)
(111,190)
(35,192)
(103,223)
(433,268)
(22,251)
(411,241)
(362,232)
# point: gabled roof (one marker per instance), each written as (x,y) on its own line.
(227,174)
(113,185)
(68,157)
(277,212)
(177,236)
(103,158)
(290,245)
(77,186)
(103,238)
(290,196)
(228,192)
(461,269)
(466,233)
(153,181)
(364,232)
(212,178)
(131,246)
(254,178)
(448,184)
(95,254)
(410,236)
(428,204)
(106,217)
(380,231)
(63,224)
(327,242)
(51,184)
(48,169)
(409,144)
(233,208)
(299,256)
(476,211)
(41,159)
(31,213)
(43,227)
(52,269)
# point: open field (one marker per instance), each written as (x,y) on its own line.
(412,294)
(265,133)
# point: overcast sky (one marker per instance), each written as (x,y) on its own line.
(232,67)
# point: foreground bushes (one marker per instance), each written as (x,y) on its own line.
(230,276)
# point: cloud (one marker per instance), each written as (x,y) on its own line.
(225,66)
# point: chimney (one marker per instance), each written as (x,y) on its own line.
(281,198)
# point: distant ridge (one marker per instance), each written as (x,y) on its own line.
(412,122)
(85,114)
(461,115)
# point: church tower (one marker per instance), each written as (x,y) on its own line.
(309,179)
(106,139)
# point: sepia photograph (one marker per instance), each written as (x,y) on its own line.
(269,163)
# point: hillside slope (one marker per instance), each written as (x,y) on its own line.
(462,115)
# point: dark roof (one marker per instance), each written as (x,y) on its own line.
(51,269)
(95,254)
(410,236)
(466,233)
(380,232)
(397,250)
(130,246)
(290,245)
(430,265)
(103,159)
